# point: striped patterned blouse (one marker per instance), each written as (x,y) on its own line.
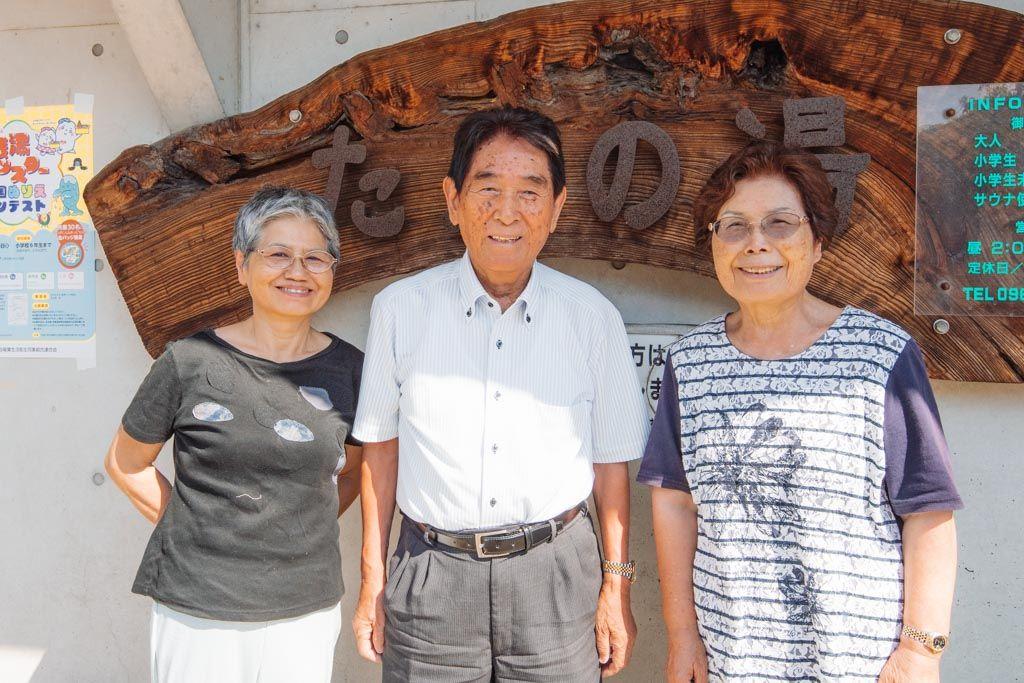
(799,468)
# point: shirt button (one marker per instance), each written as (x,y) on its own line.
(469,312)
(494,448)
(528,318)
(497,395)
(490,304)
(494,501)
(498,344)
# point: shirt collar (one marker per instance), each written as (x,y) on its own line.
(469,286)
(472,291)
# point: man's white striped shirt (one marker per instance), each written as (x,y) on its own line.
(499,417)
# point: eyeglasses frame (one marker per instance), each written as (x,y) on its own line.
(761,223)
(334,261)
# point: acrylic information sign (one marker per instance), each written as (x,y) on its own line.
(970,200)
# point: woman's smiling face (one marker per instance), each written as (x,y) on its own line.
(759,270)
(293,291)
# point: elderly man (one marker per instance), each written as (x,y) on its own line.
(497,394)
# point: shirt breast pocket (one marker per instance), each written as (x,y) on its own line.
(564,427)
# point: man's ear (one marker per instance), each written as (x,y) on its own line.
(451,198)
(240,266)
(559,203)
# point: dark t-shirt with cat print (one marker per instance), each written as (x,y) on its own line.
(250,532)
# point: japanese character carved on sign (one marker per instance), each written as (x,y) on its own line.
(817,122)
(607,202)
(383,180)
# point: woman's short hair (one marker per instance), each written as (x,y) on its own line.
(764,159)
(516,122)
(270,203)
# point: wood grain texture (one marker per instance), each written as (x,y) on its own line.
(164,211)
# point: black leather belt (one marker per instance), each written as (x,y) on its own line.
(504,541)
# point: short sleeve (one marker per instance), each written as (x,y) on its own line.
(357,375)
(918,471)
(618,417)
(151,414)
(662,465)
(379,392)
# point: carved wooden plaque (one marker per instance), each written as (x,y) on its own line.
(708,73)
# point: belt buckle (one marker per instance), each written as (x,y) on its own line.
(481,537)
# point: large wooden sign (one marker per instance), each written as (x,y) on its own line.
(375,133)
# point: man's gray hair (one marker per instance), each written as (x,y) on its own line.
(270,203)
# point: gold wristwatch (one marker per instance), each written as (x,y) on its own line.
(936,642)
(625,569)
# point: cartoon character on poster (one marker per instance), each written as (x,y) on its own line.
(67,133)
(46,141)
(69,194)
(28,178)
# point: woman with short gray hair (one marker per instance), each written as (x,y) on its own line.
(243,564)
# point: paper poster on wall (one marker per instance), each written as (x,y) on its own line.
(47,240)
(649,346)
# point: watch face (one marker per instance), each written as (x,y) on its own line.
(938,642)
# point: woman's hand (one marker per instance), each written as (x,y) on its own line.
(908,665)
(368,622)
(350,478)
(129,463)
(687,659)
(675,535)
(929,572)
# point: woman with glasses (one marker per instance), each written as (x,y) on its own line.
(802,489)
(243,564)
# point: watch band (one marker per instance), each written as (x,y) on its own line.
(935,642)
(624,569)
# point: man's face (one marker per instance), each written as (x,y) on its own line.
(507,207)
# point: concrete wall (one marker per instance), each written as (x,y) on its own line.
(69,547)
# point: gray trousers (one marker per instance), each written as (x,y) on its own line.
(528,617)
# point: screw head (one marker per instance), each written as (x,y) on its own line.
(98,478)
(295,116)
(341,37)
(953,36)
(97,49)
(941,326)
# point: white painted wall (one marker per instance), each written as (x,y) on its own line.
(69,548)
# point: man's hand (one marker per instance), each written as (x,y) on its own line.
(614,625)
(908,664)
(687,659)
(368,622)
(379,482)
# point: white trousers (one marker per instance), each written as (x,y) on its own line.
(187,649)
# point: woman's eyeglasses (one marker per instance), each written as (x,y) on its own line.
(281,258)
(775,226)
